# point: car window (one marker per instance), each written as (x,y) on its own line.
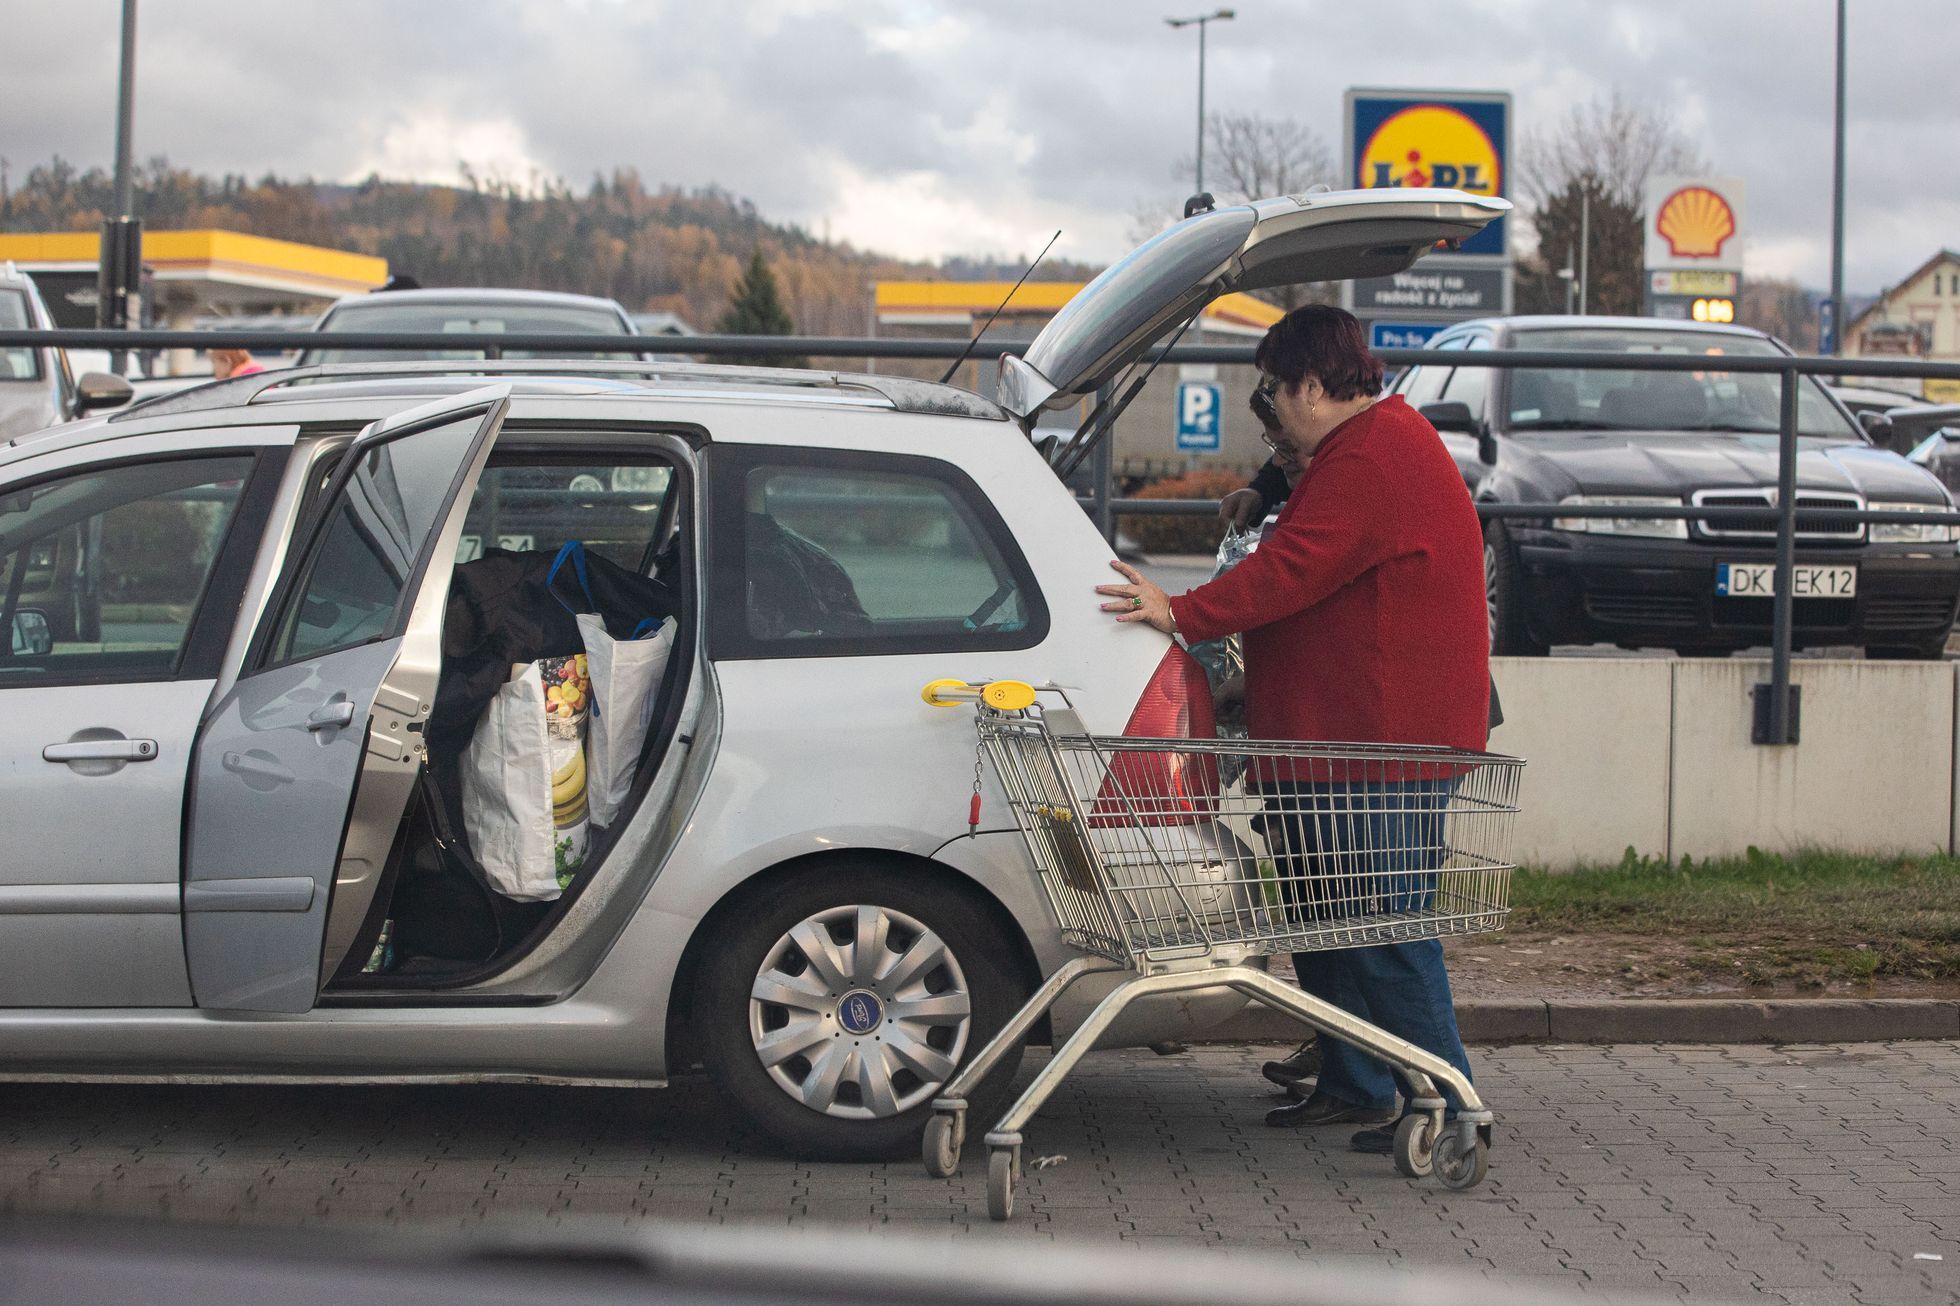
(1469,385)
(373,535)
(102,571)
(1425,384)
(615,509)
(17,363)
(855,554)
(1708,399)
(465,319)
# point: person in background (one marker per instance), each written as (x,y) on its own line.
(1364,621)
(227,363)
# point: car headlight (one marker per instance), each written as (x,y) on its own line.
(1648,527)
(1911,532)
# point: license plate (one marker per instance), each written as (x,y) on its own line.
(1757,580)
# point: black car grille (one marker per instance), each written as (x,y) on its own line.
(1812,526)
(1807,614)
(1628,608)
(1904,613)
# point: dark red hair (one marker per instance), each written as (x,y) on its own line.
(1322,342)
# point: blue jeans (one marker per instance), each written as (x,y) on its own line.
(1369,848)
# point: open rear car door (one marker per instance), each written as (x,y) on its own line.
(1166,281)
(303,770)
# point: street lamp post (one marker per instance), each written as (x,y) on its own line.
(1222,15)
(1836,342)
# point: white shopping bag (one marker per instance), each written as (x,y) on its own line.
(625,674)
(527,840)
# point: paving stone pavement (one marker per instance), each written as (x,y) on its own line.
(1802,1174)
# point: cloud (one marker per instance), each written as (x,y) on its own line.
(926,127)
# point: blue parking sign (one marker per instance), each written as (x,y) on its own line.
(1197,417)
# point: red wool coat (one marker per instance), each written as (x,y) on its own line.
(1363,609)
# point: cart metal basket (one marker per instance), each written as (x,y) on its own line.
(1157,865)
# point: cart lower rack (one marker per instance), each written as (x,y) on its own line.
(1183,861)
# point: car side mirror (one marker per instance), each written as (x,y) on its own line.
(32,635)
(101,390)
(1455,415)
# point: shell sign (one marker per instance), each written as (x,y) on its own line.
(1693,222)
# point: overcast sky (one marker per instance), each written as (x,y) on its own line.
(934,127)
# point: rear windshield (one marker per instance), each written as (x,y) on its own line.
(466,319)
(17,363)
(1595,399)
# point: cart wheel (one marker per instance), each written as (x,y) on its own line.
(942,1146)
(1000,1183)
(1456,1168)
(1415,1141)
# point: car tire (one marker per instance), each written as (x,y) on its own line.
(1926,650)
(827,1106)
(1504,597)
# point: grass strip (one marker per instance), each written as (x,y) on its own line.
(1810,917)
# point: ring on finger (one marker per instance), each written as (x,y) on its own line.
(1136,602)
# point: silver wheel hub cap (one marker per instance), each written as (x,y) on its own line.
(860,1012)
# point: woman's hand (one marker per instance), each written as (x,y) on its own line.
(1139,600)
(1238,508)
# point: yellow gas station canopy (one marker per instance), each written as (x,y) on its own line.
(213,269)
(958,303)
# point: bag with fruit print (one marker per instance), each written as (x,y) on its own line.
(524,780)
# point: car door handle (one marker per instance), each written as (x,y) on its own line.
(331,717)
(102,750)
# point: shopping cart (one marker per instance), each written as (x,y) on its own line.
(1157,868)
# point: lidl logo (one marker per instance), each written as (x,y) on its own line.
(1431,145)
(1694,221)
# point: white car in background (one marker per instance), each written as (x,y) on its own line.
(217,735)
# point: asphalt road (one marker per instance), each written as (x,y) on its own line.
(1795,1174)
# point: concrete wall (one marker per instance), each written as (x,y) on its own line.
(1655,755)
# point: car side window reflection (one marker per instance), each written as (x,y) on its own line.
(102,572)
(869,559)
(374,534)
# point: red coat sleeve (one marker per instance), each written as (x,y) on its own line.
(1340,522)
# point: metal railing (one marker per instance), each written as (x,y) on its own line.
(1789,370)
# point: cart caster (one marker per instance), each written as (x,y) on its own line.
(1457,1168)
(1415,1143)
(941,1145)
(1001,1170)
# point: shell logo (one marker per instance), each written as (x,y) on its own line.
(1431,145)
(1695,221)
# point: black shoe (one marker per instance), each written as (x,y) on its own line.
(1302,1089)
(1374,1142)
(1324,1109)
(1303,1064)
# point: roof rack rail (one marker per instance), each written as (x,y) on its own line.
(901,392)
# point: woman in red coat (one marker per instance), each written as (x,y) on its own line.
(1364,619)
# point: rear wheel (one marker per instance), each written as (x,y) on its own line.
(835,1007)
(1504,597)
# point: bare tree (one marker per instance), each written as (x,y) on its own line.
(1612,144)
(1251,157)
(1598,158)
(1257,157)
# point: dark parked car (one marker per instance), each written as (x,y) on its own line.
(1703,438)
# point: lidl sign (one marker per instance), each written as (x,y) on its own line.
(1455,139)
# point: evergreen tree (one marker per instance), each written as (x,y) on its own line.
(756,309)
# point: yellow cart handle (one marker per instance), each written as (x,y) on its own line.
(1000,695)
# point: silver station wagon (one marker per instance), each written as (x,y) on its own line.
(247,623)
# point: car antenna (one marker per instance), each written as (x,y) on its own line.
(975,339)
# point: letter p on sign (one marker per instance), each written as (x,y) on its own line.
(1197,417)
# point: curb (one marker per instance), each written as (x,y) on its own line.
(1657,1020)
